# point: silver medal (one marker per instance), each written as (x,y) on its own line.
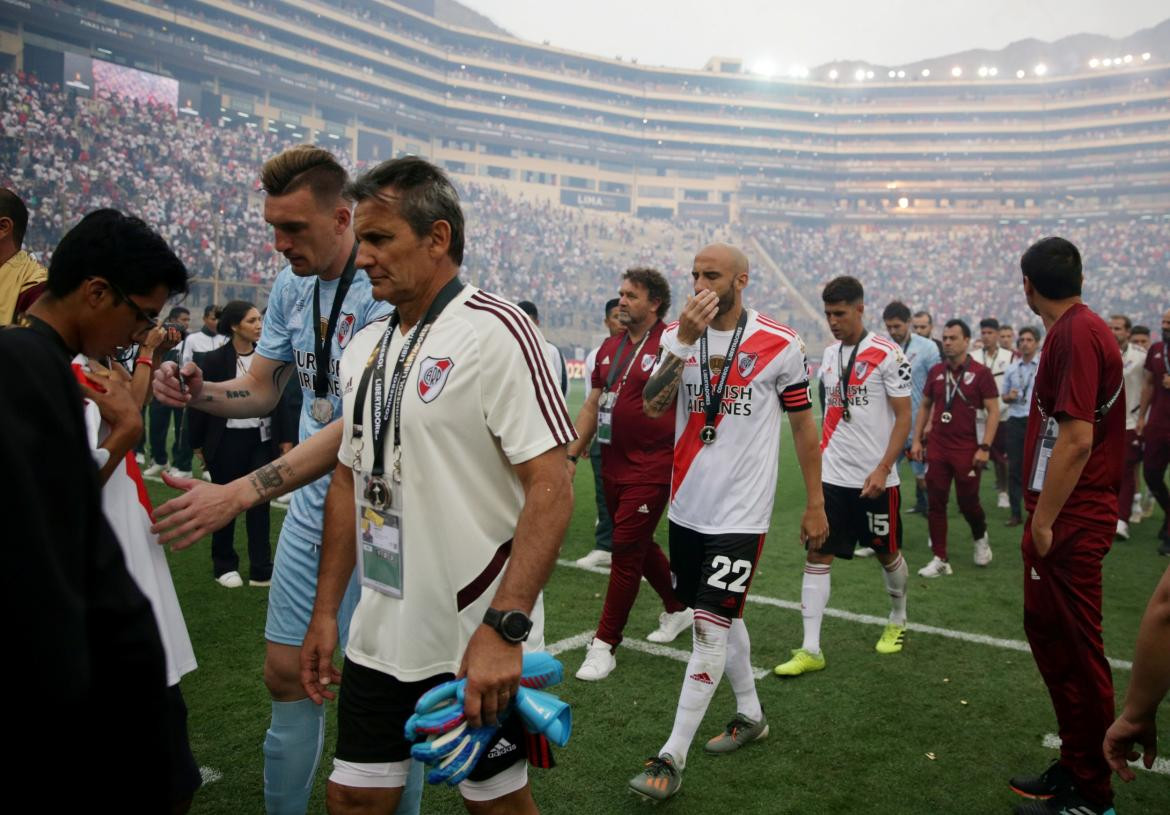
(707,434)
(946,417)
(321,410)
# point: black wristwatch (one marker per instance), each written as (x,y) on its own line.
(513,626)
(986,448)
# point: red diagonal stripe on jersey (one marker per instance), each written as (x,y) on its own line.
(131,463)
(873,357)
(763,343)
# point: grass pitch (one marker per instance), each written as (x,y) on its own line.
(937,728)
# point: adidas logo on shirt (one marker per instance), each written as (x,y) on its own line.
(645,510)
(502,748)
(702,677)
(1035,575)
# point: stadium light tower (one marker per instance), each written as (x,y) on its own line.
(1041,69)
(925,73)
(1020,74)
(859,74)
(1146,56)
(956,72)
(1094,62)
(833,73)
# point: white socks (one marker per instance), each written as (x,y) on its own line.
(704,670)
(896,576)
(814,599)
(739,672)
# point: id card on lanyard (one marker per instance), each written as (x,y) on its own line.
(379,537)
(608,400)
(1044,448)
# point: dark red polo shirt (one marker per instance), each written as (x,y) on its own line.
(975,385)
(642,449)
(1158,419)
(1079,373)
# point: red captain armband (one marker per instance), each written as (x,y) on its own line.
(796,398)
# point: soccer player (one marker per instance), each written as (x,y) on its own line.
(867,420)
(922,354)
(1133,361)
(727,372)
(955,391)
(601,555)
(996,360)
(1154,428)
(636,455)
(453,464)
(318,302)
(1073,460)
(1017,398)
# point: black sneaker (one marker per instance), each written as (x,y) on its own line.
(1068,803)
(1053,781)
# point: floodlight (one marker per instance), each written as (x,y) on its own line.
(1094,62)
(833,73)
(892,74)
(1128,58)
(1146,56)
(1019,74)
(901,74)
(993,71)
(1040,70)
(925,72)
(982,70)
(869,74)
(903,202)
(956,72)
(859,74)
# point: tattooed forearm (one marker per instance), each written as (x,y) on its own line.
(278,373)
(240,394)
(269,481)
(662,387)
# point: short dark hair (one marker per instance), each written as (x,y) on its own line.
(843,289)
(963,327)
(1054,267)
(611,304)
(232,315)
(120,248)
(897,310)
(424,195)
(1140,329)
(1124,320)
(305,166)
(12,207)
(655,285)
(988,322)
(1033,330)
(1006,327)
(177,311)
(211,310)
(529,308)
(926,314)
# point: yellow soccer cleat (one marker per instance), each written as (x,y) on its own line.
(891,641)
(802,662)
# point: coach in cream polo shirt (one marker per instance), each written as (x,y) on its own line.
(451,494)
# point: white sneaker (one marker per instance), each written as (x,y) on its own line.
(230,580)
(141,459)
(982,551)
(154,469)
(206,475)
(599,662)
(671,625)
(597,559)
(1002,501)
(936,568)
(1123,530)
(174,472)
(1135,513)
(864,551)
(283,500)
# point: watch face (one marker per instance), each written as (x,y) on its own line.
(515,626)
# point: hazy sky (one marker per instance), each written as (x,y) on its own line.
(685,33)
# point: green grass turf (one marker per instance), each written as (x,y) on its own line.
(854,738)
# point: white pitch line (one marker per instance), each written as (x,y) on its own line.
(654,649)
(869,619)
(210,775)
(1161,765)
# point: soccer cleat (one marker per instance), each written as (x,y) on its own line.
(1054,780)
(802,662)
(1067,803)
(175,472)
(936,568)
(671,625)
(597,559)
(599,662)
(1002,501)
(1136,517)
(659,779)
(864,551)
(982,551)
(1122,531)
(891,640)
(154,469)
(259,584)
(230,580)
(739,732)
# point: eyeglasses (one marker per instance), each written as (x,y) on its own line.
(140,314)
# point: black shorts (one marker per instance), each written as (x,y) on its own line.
(713,572)
(856,521)
(372,710)
(185,777)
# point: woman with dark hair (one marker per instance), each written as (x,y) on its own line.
(231,448)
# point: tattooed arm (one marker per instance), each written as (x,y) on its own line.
(204,507)
(248,396)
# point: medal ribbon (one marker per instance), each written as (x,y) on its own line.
(617,363)
(387,399)
(846,372)
(323,345)
(712,400)
(952,385)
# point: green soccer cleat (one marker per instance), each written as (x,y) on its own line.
(891,641)
(739,732)
(659,779)
(802,662)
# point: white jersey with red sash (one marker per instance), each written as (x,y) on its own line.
(729,485)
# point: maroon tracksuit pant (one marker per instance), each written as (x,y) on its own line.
(1062,618)
(1133,457)
(635,509)
(943,466)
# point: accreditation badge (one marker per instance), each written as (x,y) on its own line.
(378,512)
(1043,455)
(605,417)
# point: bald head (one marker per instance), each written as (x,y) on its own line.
(725,256)
(722,269)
